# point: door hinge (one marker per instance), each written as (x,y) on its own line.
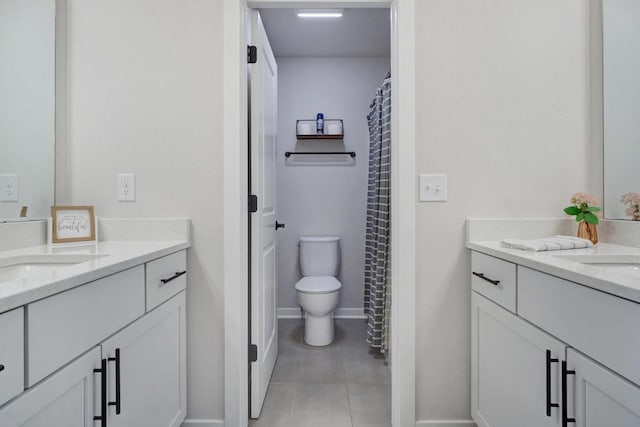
(252,54)
(253,353)
(253,203)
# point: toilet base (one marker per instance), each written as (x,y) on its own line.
(318,331)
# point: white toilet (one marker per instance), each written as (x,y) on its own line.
(319,290)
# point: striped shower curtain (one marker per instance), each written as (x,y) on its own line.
(377,283)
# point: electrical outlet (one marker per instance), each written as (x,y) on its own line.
(433,187)
(9,187)
(127,187)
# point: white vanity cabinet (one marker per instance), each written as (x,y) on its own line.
(11,354)
(516,370)
(96,356)
(66,398)
(562,355)
(147,369)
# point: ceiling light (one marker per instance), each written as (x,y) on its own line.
(319,13)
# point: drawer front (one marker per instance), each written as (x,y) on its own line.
(600,325)
(66,325)
(11,354)
(165,278)
(486,271)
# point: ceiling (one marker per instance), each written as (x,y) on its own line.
(359,32)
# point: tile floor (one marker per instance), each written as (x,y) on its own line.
(346,384)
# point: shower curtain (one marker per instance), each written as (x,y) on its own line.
(377,278)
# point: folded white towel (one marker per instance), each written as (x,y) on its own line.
(555,243)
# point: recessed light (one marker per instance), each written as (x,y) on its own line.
(319,13)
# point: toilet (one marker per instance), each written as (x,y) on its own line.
(319,290)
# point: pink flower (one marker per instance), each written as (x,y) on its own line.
(632,200)
(580,198)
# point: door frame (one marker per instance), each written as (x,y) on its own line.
(403,209)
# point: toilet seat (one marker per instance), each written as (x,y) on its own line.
(318,285)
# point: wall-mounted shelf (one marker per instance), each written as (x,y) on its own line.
(333,129)
(315,153)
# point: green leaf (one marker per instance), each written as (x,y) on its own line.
(580,217)
(572,210)
(593,209)
(591,218)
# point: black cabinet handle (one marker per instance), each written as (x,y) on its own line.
(1,368)
(565,418)
(550,405)
(117,362)
(175,276)
(279,225)
(482,276)
(103,389)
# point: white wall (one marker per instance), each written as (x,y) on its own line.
(144,96)
(502,108)
(329,198)
(27,103)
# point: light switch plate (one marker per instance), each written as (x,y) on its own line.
(432,187)
(9,186)
(127,187)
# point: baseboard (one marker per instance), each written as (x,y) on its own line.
(446,423)
(202,423)
(340,313)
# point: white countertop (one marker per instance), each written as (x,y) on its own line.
(619,283)
(115,256)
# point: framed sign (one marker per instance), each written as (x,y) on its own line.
(73,224)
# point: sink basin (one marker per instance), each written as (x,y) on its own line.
(26,266)
(622,263)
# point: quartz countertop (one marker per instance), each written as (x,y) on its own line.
(623,284)
(111,257)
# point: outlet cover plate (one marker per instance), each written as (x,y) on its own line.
(433,187)
(127,187)
(9,186)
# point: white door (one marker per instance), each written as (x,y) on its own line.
(147,358)
(71,398)
(510,384)
(602,398)
(264,326)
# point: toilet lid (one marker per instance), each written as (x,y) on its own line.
(318,284)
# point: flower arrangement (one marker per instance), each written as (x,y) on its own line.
(584,207)
(632,200)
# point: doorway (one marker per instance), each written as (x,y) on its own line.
(317,182)
(236,205)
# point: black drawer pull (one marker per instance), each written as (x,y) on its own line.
(550,405)
(117,361)
(175,276)
(103,390)
(1,368)
(482,276)
(565,418)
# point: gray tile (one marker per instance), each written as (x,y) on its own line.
(321,371)
(370,403)
(278,406)
(320,420)
(285,371)
(367,372)
(326,400)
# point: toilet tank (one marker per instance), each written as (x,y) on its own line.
(319,255)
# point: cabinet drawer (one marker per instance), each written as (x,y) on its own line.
(600,325)
(165,278)
(11,354)
(66,325)
(495,279)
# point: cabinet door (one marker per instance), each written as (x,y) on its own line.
(602,398)
(68,398)
(149,356)
(510,385)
